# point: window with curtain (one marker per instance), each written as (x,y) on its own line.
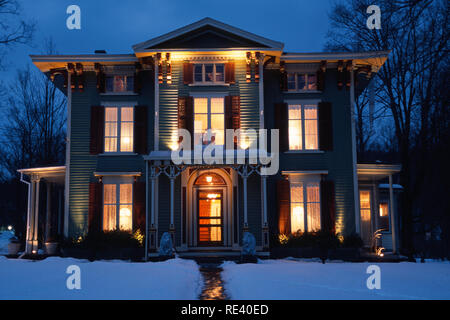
(117,207)
(301,81)
(383,217)
(119,83)
(303,127)
(119,125)
(305,206)
(209,73)
(209,115)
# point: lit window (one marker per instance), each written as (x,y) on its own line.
(117,198)
(209,73)
(301,81)
(305,206)
(119,83)
(383,219)
(119,125)
(209,116)
(303,127)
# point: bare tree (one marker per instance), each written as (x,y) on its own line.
(417,33)
(13,29)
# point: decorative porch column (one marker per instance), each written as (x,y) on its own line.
(49,217)
(172,171)
(391,209)
(154,174)
(265,227)
(31,245)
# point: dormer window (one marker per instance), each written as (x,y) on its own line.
(209,73)
(119,83)
(302,81)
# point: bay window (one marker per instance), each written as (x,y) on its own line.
(119,125)
(209,116)
(209,73)
(303,127)
(117,206)
(305,206)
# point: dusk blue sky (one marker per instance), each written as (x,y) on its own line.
(117,25)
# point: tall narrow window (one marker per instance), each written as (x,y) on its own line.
(305,207)
(209,116)
(119,125)
(117,198)
(365,212)
(383,218)
(303,127)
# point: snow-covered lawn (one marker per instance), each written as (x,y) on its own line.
(289,279)
(46,279)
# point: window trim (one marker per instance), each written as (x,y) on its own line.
(119,105)
(117,181)
(304,180)
(302,104)
(209,83)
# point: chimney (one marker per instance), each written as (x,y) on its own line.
(100,51)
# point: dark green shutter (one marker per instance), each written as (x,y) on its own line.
(325,126)
(95,207)
(282,124)
(284,206)
(97,129)
(140,129)
(328,211)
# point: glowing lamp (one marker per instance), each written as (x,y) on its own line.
(212,195)
(10,228)
(125,212)
(208,179)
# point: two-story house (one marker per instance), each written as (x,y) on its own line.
(123,121)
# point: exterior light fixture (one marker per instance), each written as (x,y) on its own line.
(209,180)
(10,227)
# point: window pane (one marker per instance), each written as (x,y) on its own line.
(220,72)
(110,114)
(110,84)
(130,83)
(295,112)
(301,81)
(126,114)
(110,144)
(109,193)
(217,105)
(110,129)
(200,123)
(297,209)
(310,112)
(312,84)
(201,105)
(311,138)
(291,81)
(295,135)
(109,207)
(125,217)
(218,125)
(313,206)
(364,199)
(198,73)
(209,75)
(126,137)
(119,84)
(383,219)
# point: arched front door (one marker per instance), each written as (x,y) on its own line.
(210,208)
